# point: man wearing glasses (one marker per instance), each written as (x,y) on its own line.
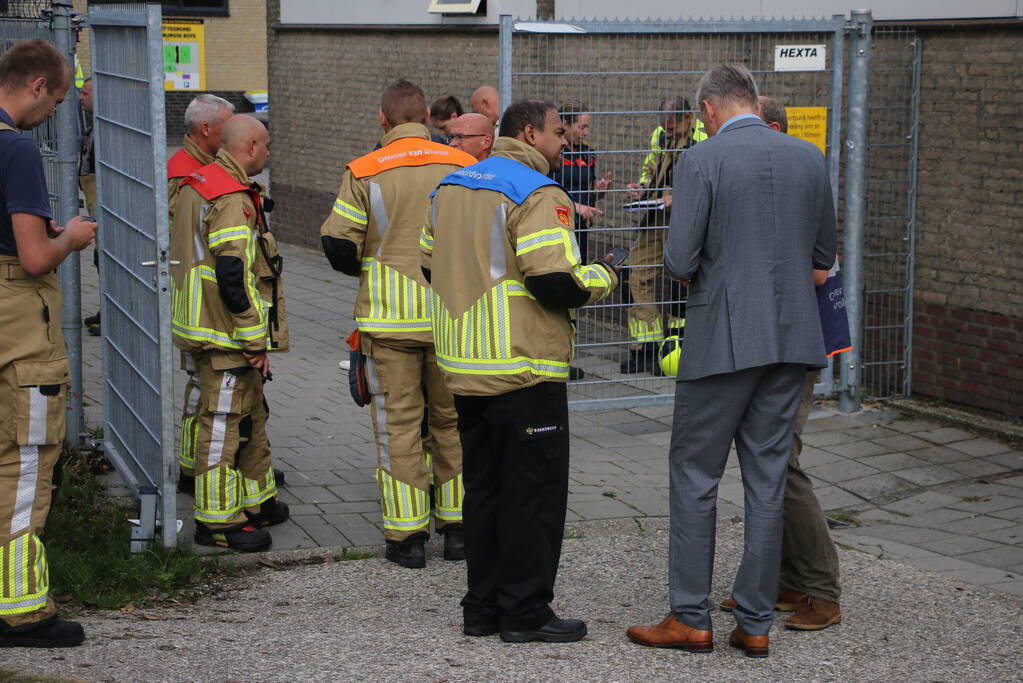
(473,134)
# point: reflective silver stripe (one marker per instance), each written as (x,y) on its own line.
(504,348)
(378,398)
(194,389)
(373,323)
(199,246)
(498,267)
(376,205)
(36,417)
(24,499)
(493,364)
(20,552)
(219,431)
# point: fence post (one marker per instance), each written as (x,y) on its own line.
(70,270)
(504,65)
(855,205)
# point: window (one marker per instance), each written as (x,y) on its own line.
(195,7)
(457,7)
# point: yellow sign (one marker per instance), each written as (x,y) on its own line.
(810,124)
(184,55)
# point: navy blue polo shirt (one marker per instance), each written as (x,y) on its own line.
(22,182)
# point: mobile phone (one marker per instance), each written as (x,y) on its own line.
(88,219)
(617,256)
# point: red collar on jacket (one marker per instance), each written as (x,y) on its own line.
(212,181)
(182,164)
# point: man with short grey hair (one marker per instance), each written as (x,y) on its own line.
(755,219)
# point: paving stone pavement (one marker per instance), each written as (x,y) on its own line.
(940,497)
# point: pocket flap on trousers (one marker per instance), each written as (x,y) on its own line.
(32,373)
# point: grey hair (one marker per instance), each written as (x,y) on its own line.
(773,111)
(728,83)
(204,108)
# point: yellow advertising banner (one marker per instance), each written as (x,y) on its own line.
(810,124)
(184,55)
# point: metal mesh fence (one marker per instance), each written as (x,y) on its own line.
(889,229)
(623,78)
(24,8)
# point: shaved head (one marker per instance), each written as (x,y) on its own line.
(246,138)
(473,134)
(486,101)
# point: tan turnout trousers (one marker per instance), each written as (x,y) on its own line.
(233,472)
(398,375)
(33,401)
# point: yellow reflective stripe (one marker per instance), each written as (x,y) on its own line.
(189,438)
(25,583)
(350,212)
(257,491)
(228,234)
(595,276)
(641,331)
(206,334)
(494,366)
(396,302)
(449,500)
(404,507)
(425,241)
(218,495)
(545,238)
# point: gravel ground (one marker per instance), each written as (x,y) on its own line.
(371,620)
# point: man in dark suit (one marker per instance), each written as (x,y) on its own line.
(753,217)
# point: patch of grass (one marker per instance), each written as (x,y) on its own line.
(87,546)
(610,494)
(569,536)
(15,677)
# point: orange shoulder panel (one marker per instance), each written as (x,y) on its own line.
(408,152)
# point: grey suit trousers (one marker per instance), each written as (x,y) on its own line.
(757,408)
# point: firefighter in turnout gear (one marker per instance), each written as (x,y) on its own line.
(204,119)
(228,310)
(373,232)
(646,327)
(34,373)
(504,265)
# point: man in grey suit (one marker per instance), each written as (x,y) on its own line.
(753,216)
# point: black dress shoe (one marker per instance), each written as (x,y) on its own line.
(481,628)
(52,632)
(554,631)
(454,542)
(409,553)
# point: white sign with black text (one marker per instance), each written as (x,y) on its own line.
(799,57)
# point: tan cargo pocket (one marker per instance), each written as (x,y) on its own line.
(41,401)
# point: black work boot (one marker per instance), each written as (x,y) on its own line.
(643,359)
(273,511)
(454,542)
(409,553)
(245,538)
(52,632)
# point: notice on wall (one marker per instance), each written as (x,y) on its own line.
(810,124)
(800,57)
(184,58)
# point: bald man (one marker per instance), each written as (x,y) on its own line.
(228,300)
(473,134)
(486,101)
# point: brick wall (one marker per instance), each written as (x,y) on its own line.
(968,322)
(326,84)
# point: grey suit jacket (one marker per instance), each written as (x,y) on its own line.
(752,215)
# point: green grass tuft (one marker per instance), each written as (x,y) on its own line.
(87,546)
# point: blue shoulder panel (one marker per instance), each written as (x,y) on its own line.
(511,178)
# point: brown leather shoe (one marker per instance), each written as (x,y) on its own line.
(674,634)
(815,614)
(754,646)
(788,601)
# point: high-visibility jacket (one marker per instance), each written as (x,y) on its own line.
(493,225)
(657,142)
(227,288)
(380,208)
(186,161)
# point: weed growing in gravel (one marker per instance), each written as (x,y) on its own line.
(349,554)
(87,545)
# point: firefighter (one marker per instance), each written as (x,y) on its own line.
(500,252)
(34,372)
(373,233)
(228,313)
(204,120)
(646,328)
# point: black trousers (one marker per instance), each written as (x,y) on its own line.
(515,471)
